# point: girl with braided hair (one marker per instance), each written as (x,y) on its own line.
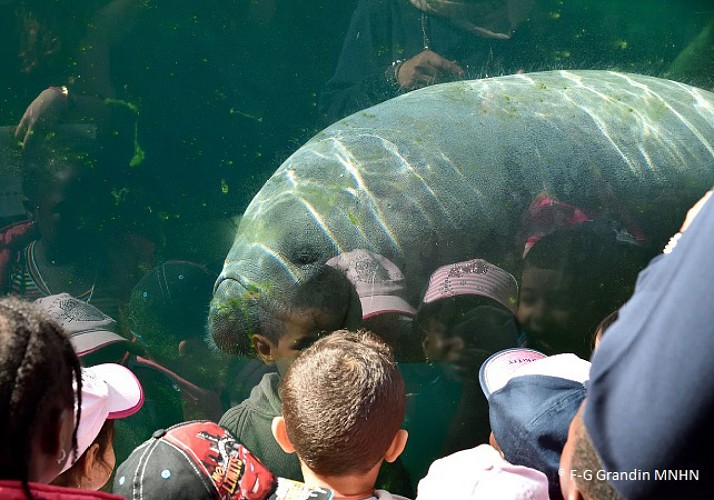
(38,421)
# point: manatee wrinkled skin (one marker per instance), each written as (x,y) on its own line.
(444,174)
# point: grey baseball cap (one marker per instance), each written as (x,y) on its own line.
(89,329)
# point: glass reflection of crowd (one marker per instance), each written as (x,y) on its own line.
(356,392)
(477,359)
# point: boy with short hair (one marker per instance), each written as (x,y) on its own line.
(325,303)
(343,407)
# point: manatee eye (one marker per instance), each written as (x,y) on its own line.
(305,255)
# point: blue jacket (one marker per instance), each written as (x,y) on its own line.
(650,403)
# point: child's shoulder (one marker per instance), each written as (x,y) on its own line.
(263,402)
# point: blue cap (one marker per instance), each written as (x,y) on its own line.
(530,418)
(531,407)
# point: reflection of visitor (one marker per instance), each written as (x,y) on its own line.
(571,280)
(69,45)
(467,313)
(167,313)
(393,46)
(325,303)
(579,265)
(71,242)
(92,333)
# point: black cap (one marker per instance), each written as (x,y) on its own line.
(175,294)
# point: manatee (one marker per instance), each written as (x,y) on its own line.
(443,174)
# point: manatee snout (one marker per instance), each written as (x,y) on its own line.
(237,310)
(232,317)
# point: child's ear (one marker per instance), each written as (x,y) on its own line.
(574,494)
(92,455)
(263,348)
(494,444)
(397,447)
(280,433)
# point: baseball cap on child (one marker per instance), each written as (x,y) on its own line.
(197,460)
(531,406)
(109,391)
(500,367)
(89,329)
(379,283)
(478,473)
(201,460)
(473,277)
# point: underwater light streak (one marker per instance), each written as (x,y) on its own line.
(393,149)
(318,218)
(347,160)
(277,258)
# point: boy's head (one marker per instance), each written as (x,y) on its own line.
(325,302)
(343,406)
(198,460)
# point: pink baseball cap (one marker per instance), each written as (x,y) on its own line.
(109,391)
(473,277)
(481,472)
(378,281)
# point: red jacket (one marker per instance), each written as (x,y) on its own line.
(13,240)
(12,490)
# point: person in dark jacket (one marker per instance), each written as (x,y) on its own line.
(393,46)
(650,398)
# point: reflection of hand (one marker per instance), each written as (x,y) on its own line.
(427,68)
(45,109)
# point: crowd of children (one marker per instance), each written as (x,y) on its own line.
(353,392)
(341,405)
